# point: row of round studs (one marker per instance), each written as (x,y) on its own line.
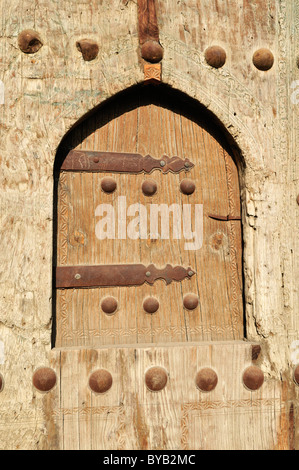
(149,187)
(156,378)
(30,42)
(109,305)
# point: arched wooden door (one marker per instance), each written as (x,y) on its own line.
(137,290)
(182,224)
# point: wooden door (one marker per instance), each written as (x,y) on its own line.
(146,321)
(203,306)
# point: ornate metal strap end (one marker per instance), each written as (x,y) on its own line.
(118,275)
(90,161)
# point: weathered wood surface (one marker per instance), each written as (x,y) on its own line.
(147,21)
(179,417)
(152,128)
(44,96)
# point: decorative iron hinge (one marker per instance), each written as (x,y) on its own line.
(118,275)
(83,160)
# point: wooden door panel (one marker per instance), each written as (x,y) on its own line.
(152,128)
(130,416)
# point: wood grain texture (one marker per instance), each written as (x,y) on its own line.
(45,94)
(147,21)
(177,417)
(102,162)
(152,128)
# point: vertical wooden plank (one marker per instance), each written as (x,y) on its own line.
(147,21)
(69,402)
(149,125)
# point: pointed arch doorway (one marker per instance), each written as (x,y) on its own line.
(148,275)
(148,215)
